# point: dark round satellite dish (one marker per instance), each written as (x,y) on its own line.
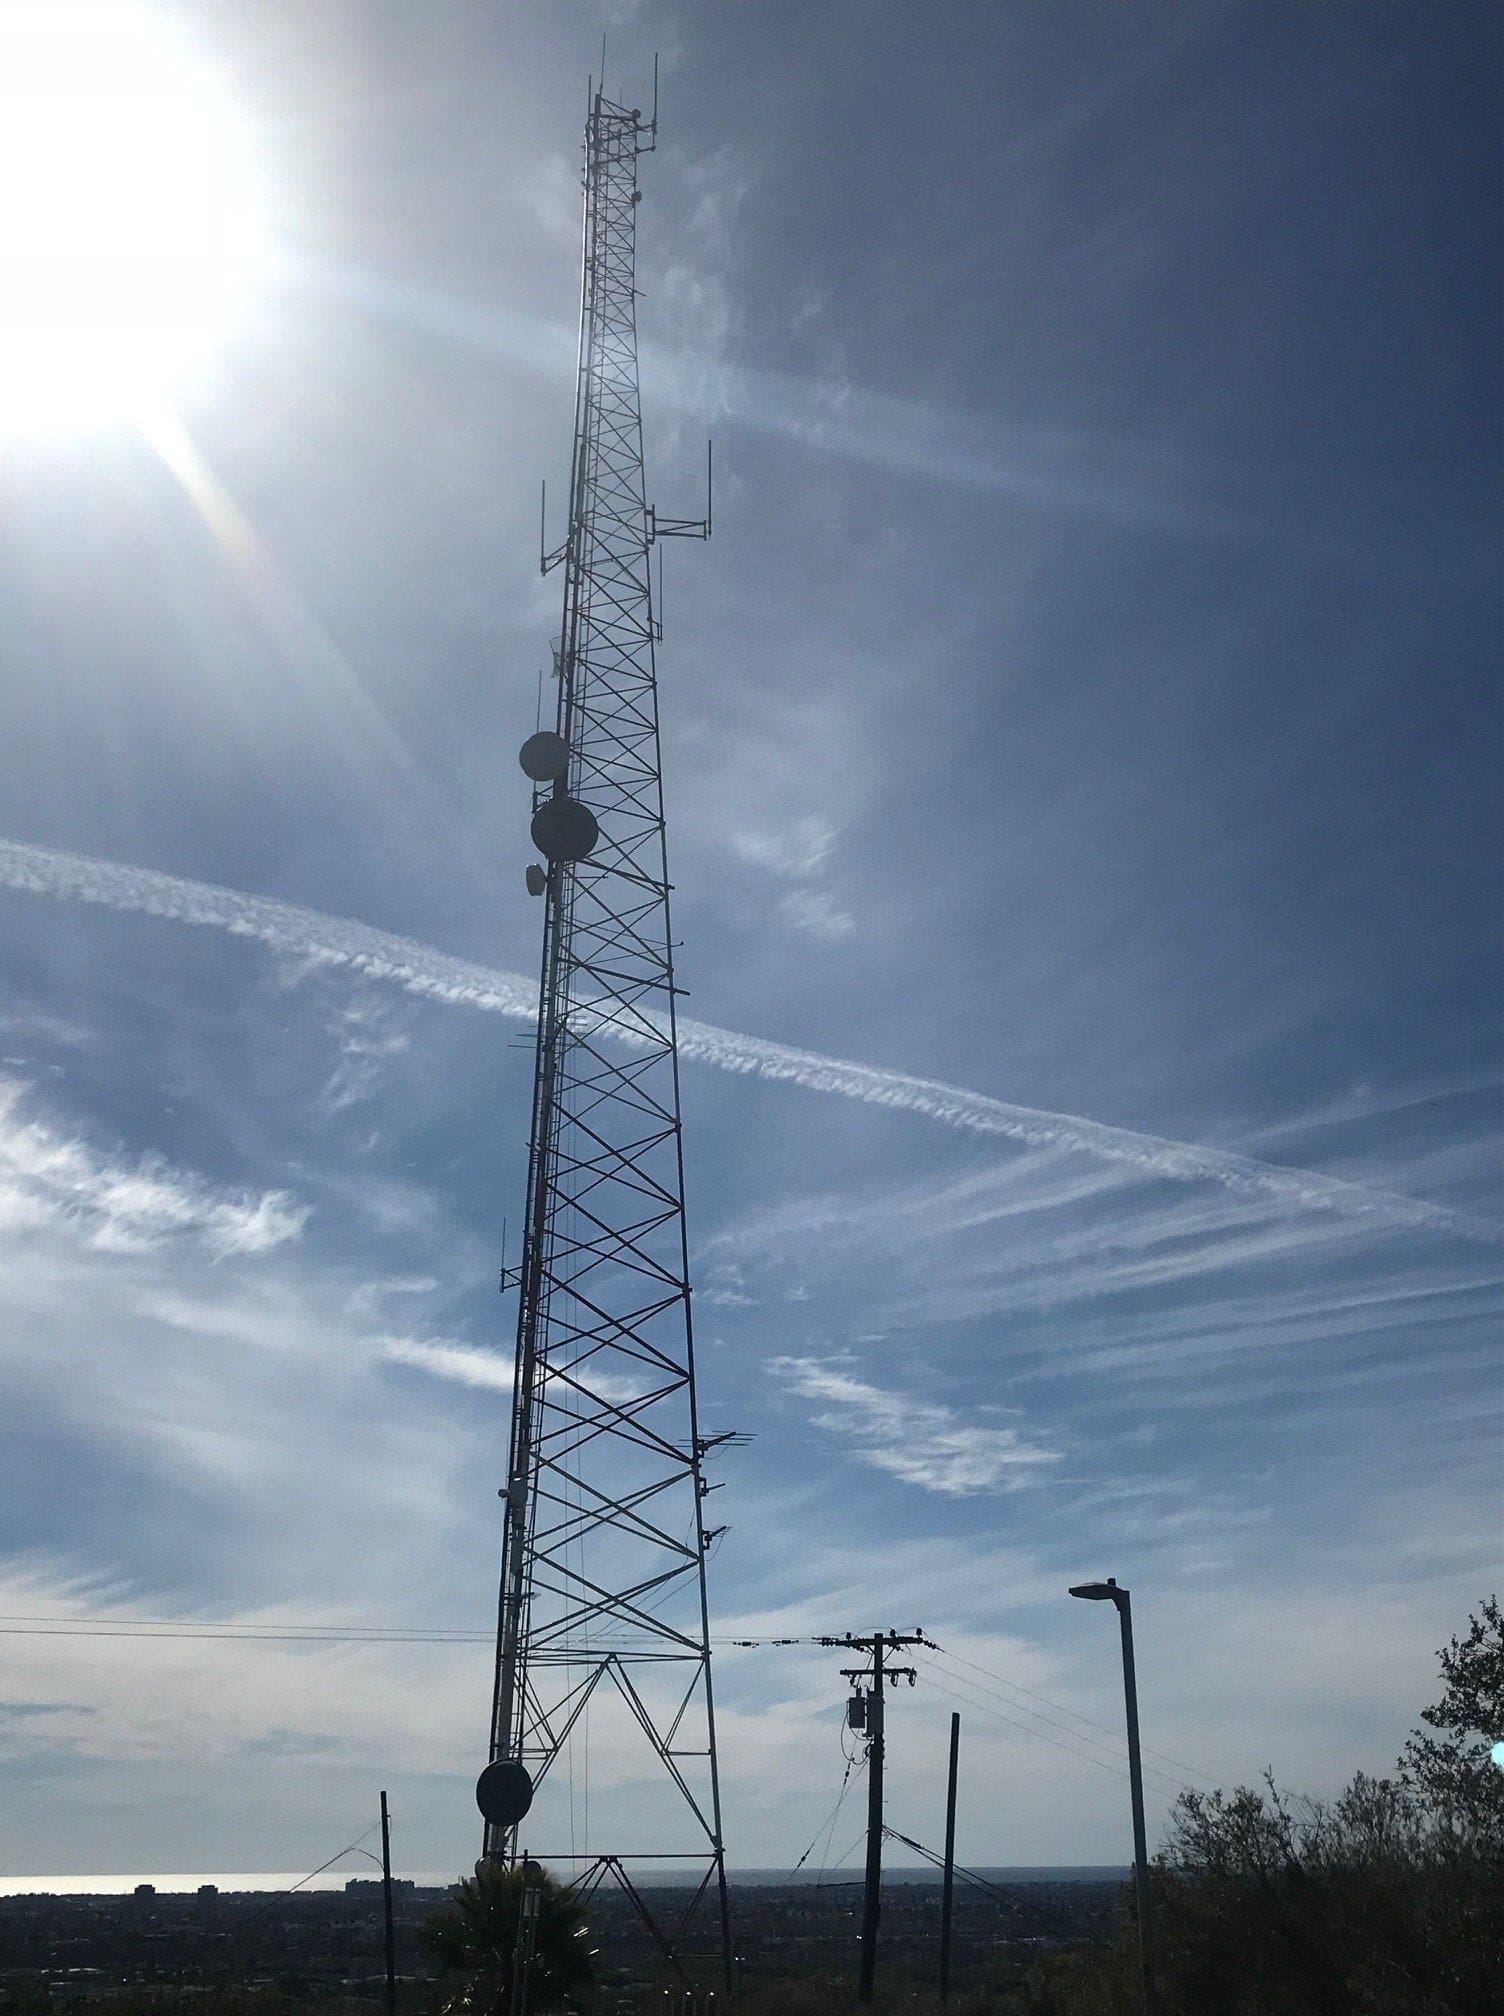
(504,1792)
(537,880)
(564,829)
(543,756)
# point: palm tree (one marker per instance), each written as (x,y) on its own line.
(475,1933)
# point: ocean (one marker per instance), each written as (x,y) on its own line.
(113,1885)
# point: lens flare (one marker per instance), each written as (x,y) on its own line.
(131,226)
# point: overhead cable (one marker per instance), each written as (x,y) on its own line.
(1000,1890)
(1113,1746)
(1083,1756)
(1018,1687)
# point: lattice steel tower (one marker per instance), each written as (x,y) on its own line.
(603,1608)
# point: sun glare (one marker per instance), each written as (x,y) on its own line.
(130,225)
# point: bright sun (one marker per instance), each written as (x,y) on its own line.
(130,225)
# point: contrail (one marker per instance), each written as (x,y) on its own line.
(436,976)
(285,927)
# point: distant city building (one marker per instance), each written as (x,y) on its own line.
(208,1889)
(145,1890)
(366,1886)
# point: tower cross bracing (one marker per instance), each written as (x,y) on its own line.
(603,1593)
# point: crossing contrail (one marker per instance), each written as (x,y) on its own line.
(420,969)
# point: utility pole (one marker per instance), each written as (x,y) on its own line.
(386,1898)
(947,1897)
(872,1895)
(866,1712)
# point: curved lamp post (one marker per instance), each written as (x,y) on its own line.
(1109,1592)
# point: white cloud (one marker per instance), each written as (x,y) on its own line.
(368,1042)
(256,1225)
(369,1298)
(48,1178)
(796,851)
(27,1021)
(922,1442)
(552,192)
(492,1371)
(692,286)
(215,1360)
(816,912)
(422,970)
(180,1702)
(448,1360)
(1181,1289)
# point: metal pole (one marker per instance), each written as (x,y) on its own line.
(948,1894)
(524,1943)
(872,1898)
(1136,1785)
(386,1898)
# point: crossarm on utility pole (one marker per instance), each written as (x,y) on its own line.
(879,1676)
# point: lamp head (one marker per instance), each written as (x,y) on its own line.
(1099,1592)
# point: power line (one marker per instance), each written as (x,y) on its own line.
(22,1625)
(162,1631)
(1077,1736)
(840,1859)
(168,1630)
(292,1889)
(867,1712)
(1163,1784)
(1083,1756)
(1003,1891)
(1111,1745)
(827,1826)
(852,1764)
(1018,1687)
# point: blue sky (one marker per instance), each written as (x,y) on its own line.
(1089,701)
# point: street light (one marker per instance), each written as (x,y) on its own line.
(1109,1592)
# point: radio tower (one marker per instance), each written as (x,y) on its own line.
(603,1626)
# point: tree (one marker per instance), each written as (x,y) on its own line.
(1453,1772)
(475,1933)
(1387,1901)
(1245,1923)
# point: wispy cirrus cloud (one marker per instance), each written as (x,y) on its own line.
(447,1359)
(1066,472)
(1038,1232)
(189,1344)
(492,1371)
(422,970)
(795,854)
(817,912)
(368,1044)
(919,1441)
(29,1022)
(1188,1297)
(796,851)
(192,1702)
(52,1178)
